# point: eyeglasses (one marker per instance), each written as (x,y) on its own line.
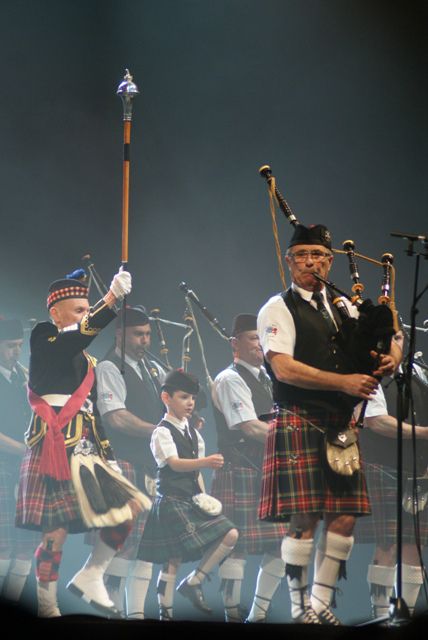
(316,256)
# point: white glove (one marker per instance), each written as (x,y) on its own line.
(121,284)
(113,465)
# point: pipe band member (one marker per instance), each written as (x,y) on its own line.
(62,392)
(177,530)
(311,384)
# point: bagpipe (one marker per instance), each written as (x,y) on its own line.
(375,324)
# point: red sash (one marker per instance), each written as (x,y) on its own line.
(53,461)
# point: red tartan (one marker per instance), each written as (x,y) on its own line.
(296,478)
(238,489)
(43,503)
(13,541)
(381,527)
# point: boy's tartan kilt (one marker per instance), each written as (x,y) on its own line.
(381,527)
(238,488)
(13,541)
(176,529)
(296,477)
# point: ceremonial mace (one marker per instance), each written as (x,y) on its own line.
(126,90)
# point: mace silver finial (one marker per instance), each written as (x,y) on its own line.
(127,90)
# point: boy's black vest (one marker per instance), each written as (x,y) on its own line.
(139,401)
(317,348)
(233,443)
(178,483)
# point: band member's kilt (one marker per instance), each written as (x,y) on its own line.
(296,476)
(43,503)
(175,528)
(381,527)
(238,488)
(12,539)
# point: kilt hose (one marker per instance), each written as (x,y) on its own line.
(13,541)
(130,547)
(175,528)
(296,477)
(238,488)
(381,527)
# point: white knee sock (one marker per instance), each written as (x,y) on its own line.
(381,582)
(231,572)
(412,579)
(18,574)
(4,569)
(165,591)
(118,569)
(136,589)
(337,550)
(271,572)
(297,553)
(212,557)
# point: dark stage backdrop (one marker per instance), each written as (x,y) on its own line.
(331,93)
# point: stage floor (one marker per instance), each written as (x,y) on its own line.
(94,627)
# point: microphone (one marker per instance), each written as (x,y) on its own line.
(209,316)
(409,236)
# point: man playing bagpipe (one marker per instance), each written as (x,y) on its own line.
(316,387)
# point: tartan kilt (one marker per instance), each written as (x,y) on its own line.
(296,478)
(45,504)
(238,489)
(12,540)
(130,547)
(381,527)
(175,528)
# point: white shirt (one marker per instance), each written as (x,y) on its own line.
(163,445)
(111,387)
(5,372)
(275,324)
(376,406)
(232,395)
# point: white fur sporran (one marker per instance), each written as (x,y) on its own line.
(209,505)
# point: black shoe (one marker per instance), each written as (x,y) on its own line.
(326,616)
(194,594)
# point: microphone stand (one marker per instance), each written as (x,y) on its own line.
(399,611)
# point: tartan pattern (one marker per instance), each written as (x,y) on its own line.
(381,527)
(67,292)
(43,503)
(238,489)
(130,547)
(47,564)
(12,540)
(296,477)
(175,529)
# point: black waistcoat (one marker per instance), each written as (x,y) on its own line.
(317,348)
(230,440)
(379,449)
(175,483)
(139,401)
(15,409)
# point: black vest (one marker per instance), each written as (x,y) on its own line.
(317,348)
(15,409)
(379,449)
(175,483)
(138,401)
(233,442)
